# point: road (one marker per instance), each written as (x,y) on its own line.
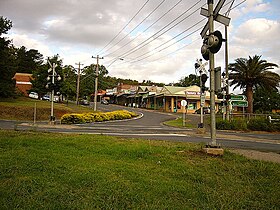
(150,126)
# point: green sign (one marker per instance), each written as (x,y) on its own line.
(238,97)
(239,103)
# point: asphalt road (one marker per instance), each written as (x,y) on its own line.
(149,126)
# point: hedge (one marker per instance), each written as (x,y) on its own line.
(259,124)
(97,117)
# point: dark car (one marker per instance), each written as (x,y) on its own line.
(103,101)
(206,110)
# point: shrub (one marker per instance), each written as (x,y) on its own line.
(72,119)
(96,117)
(236,124)
(259,124)
(262,124)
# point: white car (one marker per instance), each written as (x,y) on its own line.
(33,95)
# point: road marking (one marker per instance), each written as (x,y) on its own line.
(133,134)
(265,141)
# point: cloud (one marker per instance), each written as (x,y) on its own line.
(23,40)
(76,30)
(255,6)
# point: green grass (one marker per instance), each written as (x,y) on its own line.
(179,123)
(22,108)
(60,171)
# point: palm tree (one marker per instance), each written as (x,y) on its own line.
(251,73)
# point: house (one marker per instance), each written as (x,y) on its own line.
(23,82)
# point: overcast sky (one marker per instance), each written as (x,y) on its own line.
(158,40)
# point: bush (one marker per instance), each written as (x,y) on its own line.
(262,124)
(259,124)
(72,119)
(96,117)
(231,125)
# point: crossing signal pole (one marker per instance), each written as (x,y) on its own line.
(211,45)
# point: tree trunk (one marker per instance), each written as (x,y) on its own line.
(249,94)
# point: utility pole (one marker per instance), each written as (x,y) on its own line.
(226,65)
(227,74)
(96,81)
(78,82)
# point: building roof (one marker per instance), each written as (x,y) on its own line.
(22,78)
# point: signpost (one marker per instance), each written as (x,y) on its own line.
(184,103)
(239,103)
(238,97)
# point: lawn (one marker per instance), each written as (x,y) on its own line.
(22,108)
(71,171)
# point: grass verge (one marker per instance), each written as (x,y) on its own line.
(23,109)
(179,123)
(60,171)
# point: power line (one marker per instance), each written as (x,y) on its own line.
(146,28)
(174,38)
(137,25)
(139,46)
(170,44)
(142,44)
(124,27)
(229,9)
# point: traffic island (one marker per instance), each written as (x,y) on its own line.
(213,150)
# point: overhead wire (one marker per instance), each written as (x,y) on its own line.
(137,25)
(170,44)
(123,27)
(230,8)
(146,28)
(134,50)
(146,42)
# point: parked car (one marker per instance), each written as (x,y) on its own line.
(206,110)
(84,102)
(56,99)
(33,95)
(46,97)
(103,101)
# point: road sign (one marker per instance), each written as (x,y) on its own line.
(184,103)
(217,17)
(239,103)
(238,97)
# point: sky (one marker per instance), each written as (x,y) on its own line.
(157,40)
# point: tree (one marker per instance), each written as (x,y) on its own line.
(265,101)
(7,61)
(28,61)
(252,73)
(190,80)
(5,25)
(69,82)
